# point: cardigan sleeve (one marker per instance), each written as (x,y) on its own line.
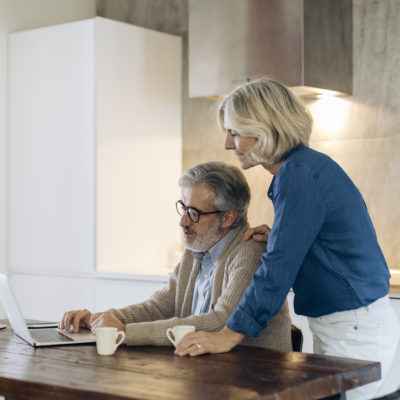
(161,305)
(238,267)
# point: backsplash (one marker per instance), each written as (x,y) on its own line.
(361,132)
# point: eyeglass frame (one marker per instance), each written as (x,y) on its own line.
(200,213)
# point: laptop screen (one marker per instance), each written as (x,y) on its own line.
(12,310)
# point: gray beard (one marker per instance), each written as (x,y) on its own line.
(207,241)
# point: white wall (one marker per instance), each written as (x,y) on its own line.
(51,148)
(93,92)
(48,297)
(52,154)
(17,15)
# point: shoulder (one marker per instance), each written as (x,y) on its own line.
(306,155)
(249,248)
(305,173)
(245,255)
(304,163)
(236,246)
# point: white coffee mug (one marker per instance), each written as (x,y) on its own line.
(107,340)
(176,333)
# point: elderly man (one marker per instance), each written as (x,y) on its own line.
(212,276)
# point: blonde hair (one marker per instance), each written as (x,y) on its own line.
(269,111)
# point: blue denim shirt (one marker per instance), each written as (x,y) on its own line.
(322,243)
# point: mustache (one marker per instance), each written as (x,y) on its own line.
(186,229)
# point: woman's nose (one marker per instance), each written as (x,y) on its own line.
(229,143)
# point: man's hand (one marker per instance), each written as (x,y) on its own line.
(259,233)
(106,319)
(197,343)
(76,319)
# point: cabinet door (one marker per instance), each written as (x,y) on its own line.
(52,149)
(139,148)
(95,148)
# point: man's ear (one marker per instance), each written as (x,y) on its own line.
(228,219)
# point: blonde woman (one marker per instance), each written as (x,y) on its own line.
(322,242)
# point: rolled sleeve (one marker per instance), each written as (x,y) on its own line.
(242,322)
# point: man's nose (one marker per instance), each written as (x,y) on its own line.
(185,220)
(229,143)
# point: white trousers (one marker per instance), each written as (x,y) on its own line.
(367,333)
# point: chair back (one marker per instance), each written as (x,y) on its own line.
(297,338)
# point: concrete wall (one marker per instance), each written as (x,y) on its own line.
(361,132)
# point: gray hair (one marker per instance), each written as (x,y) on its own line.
(227,182)
(269,111)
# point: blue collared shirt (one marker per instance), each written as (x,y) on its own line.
(205,277)
(322,244)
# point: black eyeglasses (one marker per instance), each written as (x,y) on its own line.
(194,213)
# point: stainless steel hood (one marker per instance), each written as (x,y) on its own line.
(302,43)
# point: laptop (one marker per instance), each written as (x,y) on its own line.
(37,335)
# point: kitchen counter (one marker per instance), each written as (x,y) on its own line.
(395,282)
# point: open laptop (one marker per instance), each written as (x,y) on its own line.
(37,335)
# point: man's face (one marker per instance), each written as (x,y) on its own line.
(200,236)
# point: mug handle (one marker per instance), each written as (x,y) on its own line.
(168,333)
(122,334)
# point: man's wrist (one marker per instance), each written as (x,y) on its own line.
(234,337)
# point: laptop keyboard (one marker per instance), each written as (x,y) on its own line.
(48,336)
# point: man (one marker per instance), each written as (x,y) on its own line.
(212,276)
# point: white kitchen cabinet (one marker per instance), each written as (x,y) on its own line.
(94,149)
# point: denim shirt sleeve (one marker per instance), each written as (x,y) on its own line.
(299,215)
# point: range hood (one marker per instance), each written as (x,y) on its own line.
(306,44)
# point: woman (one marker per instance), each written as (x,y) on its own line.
(322,242)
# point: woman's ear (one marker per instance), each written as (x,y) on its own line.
(228,219)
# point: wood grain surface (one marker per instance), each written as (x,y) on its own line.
(78,372)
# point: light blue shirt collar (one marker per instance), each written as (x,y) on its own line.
(205,277)
(215,251)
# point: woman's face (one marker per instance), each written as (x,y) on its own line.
(241,145)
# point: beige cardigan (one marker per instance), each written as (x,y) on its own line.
(170,306)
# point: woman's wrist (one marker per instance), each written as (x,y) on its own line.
(233,337)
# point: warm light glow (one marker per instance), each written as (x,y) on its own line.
(329,112)
(313,92)
(323,93)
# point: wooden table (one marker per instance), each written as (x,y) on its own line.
(77,372)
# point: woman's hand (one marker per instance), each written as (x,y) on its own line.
(259,233)
(197,343)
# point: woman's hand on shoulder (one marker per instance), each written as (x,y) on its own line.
(259,233)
